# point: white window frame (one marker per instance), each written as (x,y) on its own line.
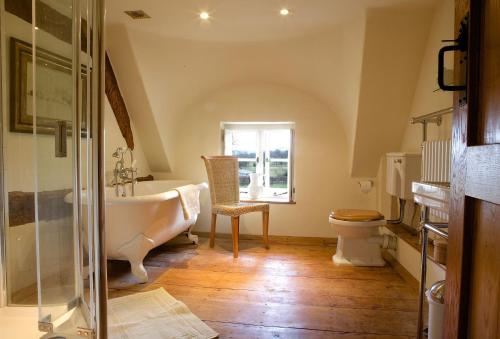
(263,155)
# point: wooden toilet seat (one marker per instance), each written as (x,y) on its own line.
(356,215)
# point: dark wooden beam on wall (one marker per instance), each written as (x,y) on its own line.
(146,178)
(51,206)
(118,104)
(47,19)
(61,26)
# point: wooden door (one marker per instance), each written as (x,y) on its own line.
(473,276)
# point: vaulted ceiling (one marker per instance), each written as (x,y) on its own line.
(361,58)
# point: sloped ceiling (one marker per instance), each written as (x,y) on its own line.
(132,86)
(362,63)
(393,50)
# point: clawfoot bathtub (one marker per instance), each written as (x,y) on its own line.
(136,225)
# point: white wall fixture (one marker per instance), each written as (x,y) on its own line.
(402,170)
(365,185)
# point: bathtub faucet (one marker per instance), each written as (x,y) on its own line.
(121,174)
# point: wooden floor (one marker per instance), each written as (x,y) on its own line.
(288,291)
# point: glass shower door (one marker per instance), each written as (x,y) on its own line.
(64,134)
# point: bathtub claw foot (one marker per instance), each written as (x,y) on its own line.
(135,251)
(192,237)
(139,272)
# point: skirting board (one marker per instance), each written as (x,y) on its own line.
(276,238)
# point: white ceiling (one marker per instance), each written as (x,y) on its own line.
(243,20)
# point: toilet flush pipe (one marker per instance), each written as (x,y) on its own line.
(386,241)
(399,220)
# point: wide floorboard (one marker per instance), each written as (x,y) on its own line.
(288,291)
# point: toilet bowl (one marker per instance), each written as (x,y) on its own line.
(359,240)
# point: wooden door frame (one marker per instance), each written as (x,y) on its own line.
(467,185)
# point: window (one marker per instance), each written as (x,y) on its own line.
(266,149)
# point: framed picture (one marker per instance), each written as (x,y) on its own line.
(54,90)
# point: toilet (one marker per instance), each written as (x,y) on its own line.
(359,240)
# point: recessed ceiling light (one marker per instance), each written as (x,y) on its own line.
(284,11)
(204,16)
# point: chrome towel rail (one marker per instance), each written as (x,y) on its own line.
(431,117)
(434,117)
(437,229)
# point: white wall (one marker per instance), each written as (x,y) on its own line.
(352,38)
(425,100)
(321,159)
(162,77)
(176,73)
(394,45)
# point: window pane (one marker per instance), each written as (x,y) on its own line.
(278,175)
(246,167)
(278,154)
(244,144)
(263,148)
(278,143)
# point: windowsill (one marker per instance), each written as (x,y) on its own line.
(270,201)
(267,199)
(269,195)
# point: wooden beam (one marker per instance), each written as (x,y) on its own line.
(118,104)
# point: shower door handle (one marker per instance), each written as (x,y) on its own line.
(61,139)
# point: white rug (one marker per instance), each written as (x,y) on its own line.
(154,314)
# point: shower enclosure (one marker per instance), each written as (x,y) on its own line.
(52,135)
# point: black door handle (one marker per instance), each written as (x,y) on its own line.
(461,46)
(441,69)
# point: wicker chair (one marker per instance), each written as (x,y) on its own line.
(223,179)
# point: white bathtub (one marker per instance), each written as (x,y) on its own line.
(136,225)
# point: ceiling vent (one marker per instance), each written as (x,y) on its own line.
(138,14)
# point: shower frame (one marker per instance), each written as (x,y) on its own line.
(97,8)
(3,233)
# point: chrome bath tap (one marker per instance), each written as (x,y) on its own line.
(123,175)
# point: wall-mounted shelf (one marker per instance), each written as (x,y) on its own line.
(413,240)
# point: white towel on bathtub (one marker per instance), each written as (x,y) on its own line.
(190,200)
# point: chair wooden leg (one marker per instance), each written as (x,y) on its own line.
(265,228)
(235,221)
(212,230)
